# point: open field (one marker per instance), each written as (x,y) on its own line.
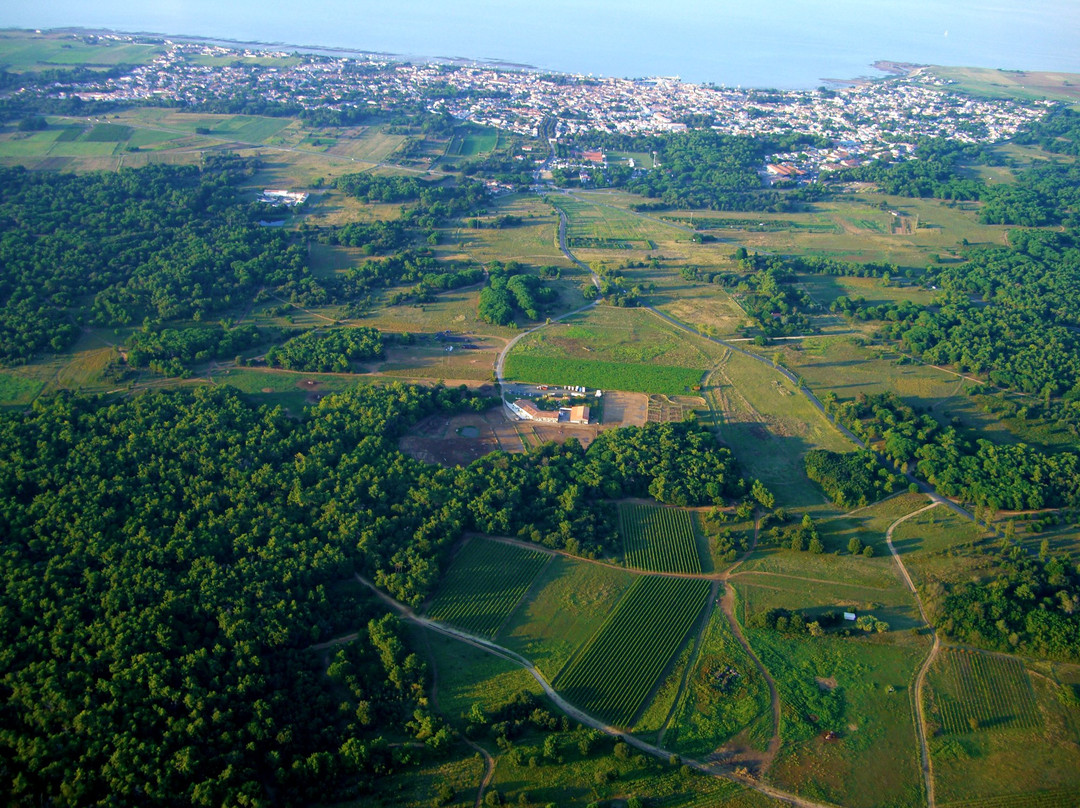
(936,545)
(659,539)
(841,366)
(567,603)
(1013,767)
(598,226)
(23,51)
(602,375)
(470,141)
(484,584)
(612,675)
(857,689)
(977,692)
(1024,85)
(611,348)
(760,592)
(468,675)
(726,701)
(770,426)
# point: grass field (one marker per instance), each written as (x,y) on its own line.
(1035,799)
(856,688)
(613,673)
(935,545)
(770,426)
(23,51)
(1017,767)
(659,539)
(615,349)
(569,601)
(1024,85)
(594,225)
(484,584)
(473,140)
(974,692)
(602,375)
(725,697)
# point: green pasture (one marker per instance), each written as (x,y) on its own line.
(770,426)
(473,140)
(814,596)
(624,336)
(1023,85)
(22,51)
(725,697)
(858,689)
(567,603)
(597,225)
(995,763)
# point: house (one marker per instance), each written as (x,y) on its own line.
(579,414)
(528,411)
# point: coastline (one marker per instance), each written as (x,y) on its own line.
(889,69)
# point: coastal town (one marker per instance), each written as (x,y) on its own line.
(864,120)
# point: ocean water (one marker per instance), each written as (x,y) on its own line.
(762,43)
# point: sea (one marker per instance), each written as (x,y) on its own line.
(783,44)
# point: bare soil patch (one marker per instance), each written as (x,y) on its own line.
(824,684)
(625,409)
(457,440)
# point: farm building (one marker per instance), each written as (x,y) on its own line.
(287,198)
(579,414)
(528,411)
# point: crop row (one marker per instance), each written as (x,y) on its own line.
(632,377)
(659,539)
(1037,799)
(484,584)
(988,692)
(617,668)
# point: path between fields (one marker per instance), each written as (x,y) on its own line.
(713,769)
(489,761)
(920,677)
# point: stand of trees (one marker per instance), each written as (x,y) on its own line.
(161,242)
(1015,477)
(1026,604)
(330,351)
(852,479)
(510,293)
(168,559)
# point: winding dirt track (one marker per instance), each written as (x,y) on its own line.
(920,677)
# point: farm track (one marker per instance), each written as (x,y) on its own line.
(489,761)
(711,768)
(920,677)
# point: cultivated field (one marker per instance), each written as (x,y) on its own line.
(973,692)
(568,602)
(484,584)
(659,539)
(612,675)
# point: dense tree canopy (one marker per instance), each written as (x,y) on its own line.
(167,559)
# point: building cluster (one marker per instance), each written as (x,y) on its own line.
(527,411)
(863,121)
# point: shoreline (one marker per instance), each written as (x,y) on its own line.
(889,69)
